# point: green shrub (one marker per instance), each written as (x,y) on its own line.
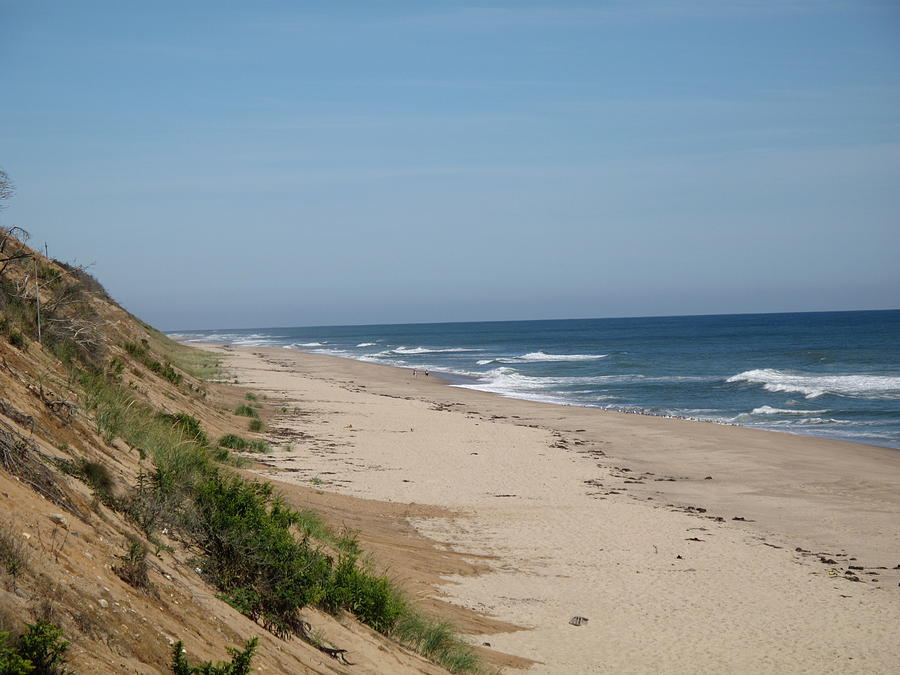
(239,665)
(256,424)
(17,340)
(251,397)
(136,350)
(371,598)
(245,411)
(164,370)
(142,353)
(252,556)
(11,663)
(42,645)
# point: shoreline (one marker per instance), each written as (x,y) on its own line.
(470,381)
(590,512)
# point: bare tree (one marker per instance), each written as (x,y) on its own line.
(7,189)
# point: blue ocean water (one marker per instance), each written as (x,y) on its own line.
(830,374)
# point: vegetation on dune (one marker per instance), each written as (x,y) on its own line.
(235,442)
(239,664)
(245,410)
(265,558)
(162,368)
(40,651)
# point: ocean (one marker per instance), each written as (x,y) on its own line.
(829,374)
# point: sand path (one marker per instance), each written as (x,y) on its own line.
(612,517)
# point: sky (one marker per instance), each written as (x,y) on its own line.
(232,164)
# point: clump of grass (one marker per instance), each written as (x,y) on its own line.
(371,598)
(133,566)
(348,542)
(241,444)
(188,424)
(13,553)
(255,425)
(97,476)
(17,340)
(224,456)
(251,397)
(311,524)
(239,664)
(245,411)
(118,414)
(436,640)
(164,369)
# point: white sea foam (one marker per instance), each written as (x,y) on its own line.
(366,344)
(416,351)
(431,350)
(805,421)
(542,357)
(240,339)
(255,340)
(333,352)
(813,386)
(769,410)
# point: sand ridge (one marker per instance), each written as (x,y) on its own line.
(689,547)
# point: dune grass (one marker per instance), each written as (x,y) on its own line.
(265,558)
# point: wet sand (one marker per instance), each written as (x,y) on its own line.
(687,546)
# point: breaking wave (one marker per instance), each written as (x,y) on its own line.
(407,351)
(769,410)
(542,357)
(813,386)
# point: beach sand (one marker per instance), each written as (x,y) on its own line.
(689,547)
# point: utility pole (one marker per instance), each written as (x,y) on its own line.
(37,297)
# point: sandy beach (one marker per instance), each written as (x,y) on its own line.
(689,547)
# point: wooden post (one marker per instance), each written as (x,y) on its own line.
(37,297)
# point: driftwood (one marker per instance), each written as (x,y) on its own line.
(20,457)
(338,654)
(60,407)
(16,415)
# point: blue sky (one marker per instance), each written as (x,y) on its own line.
(299,163)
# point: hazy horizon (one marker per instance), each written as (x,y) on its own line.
(177,331)
(307,163)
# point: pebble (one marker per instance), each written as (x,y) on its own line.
(103,603)
(59,519)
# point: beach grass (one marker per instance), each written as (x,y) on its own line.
(246,533)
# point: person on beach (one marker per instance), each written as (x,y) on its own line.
(415,372)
